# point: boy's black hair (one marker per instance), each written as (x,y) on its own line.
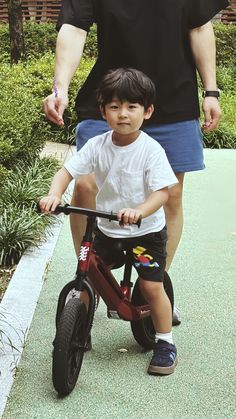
(126,84)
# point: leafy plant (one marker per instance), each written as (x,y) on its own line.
(40,39)
(21,226)
(225,44)
(5,330)
(24,128)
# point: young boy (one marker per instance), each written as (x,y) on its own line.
(133,176)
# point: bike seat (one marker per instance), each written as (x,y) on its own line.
(113,256)
(118,255)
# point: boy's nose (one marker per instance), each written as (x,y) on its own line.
(123,113)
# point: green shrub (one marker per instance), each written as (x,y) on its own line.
(4,173)
(40,39)
(21,226)
(222,137)
(225,135)
(226,79)
(20,116)
(225,44)
(24,128)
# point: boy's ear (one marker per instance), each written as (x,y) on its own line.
(102,110)
(148,112)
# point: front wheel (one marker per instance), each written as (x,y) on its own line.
(143,330)
(69,346)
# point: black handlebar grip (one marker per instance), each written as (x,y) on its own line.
(139,221)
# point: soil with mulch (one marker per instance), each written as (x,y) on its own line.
(5,277)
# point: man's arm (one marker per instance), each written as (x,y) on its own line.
(69,50)
(153,202)
(202,41)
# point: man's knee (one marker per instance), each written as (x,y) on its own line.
(175,196)
(85,185)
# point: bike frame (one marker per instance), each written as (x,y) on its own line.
(95,274)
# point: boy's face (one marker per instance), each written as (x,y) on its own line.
(125,117)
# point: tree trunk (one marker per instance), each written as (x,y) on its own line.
(15,18)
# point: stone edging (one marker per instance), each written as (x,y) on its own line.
(18,306)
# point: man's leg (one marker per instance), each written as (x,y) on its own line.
(174,221)
(174,218)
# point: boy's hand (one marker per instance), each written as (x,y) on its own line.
(49,203)
(127,216)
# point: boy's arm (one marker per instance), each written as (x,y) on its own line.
(69,50)
(59,185)
(153,202)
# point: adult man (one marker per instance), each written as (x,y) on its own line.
(168,40)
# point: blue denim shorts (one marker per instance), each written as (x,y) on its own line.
(182,141)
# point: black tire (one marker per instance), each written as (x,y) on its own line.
(69,346)
(143,330)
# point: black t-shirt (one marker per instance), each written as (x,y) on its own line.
(150,35)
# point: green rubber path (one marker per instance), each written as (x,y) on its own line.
(114,384)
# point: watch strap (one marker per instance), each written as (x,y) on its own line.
(212,93)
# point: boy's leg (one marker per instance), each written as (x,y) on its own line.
(164,359)
(159,302)
(149,259)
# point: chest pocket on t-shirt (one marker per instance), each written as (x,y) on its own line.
(131,185)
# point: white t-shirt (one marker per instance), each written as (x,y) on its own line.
(125,176)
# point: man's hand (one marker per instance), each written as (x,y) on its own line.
(128,216)
(212,113)
(54,106)
(49,203)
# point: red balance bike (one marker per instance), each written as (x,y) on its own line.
(74,319)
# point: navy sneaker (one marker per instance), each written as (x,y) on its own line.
(164,359)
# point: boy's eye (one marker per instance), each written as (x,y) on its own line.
(113,106)
(132,106)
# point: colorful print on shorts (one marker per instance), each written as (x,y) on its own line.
(143,259)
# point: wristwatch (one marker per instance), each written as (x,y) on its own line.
(212,93)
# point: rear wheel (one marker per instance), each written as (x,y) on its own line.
(143,330)
(69,346)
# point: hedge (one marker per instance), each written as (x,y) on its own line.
(24,128)
(40,39)
(225,44)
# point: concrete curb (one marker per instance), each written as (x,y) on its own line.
(18,306)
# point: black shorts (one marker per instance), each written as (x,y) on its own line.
(149,252)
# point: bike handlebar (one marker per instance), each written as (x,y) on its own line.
(68,209)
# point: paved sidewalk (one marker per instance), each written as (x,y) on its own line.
(112,384)
(60,151)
